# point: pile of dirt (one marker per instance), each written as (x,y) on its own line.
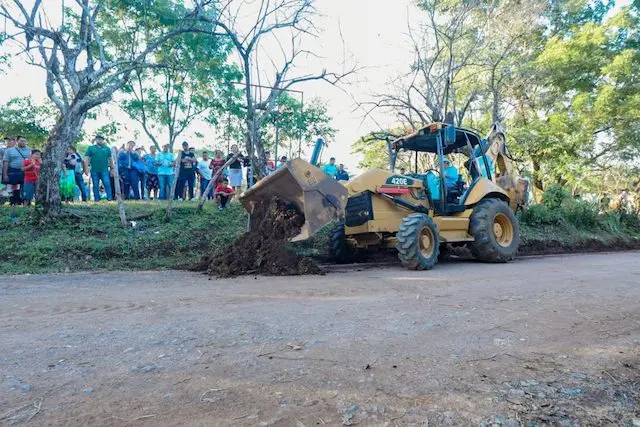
(263,249)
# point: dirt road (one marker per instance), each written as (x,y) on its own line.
(537,340)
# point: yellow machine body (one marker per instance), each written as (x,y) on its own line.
(385,216)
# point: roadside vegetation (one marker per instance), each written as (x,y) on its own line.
(90,237)
(562,223)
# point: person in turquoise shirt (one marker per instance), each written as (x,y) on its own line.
(165,162)
(450,174)
(330,168)
(283,162)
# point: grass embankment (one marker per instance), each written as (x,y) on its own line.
(90,237)
(562,224)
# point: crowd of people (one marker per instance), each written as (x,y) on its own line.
(141,174)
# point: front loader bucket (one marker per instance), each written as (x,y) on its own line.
(319,197)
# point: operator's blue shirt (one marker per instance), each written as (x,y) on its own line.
(450,176)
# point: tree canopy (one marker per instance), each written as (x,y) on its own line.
(19,116)
(562,75)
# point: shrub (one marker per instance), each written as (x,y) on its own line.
(630,221)
(580,214)
(537,215)
(611,222)
(555,196)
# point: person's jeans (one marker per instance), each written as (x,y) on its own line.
(96,177)
(190,180)
(28,191)
(143,186)
(130,181)
(81,185)
(18,188)
(165,182)
(223,200)
(203,186)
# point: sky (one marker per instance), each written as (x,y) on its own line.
(374,34)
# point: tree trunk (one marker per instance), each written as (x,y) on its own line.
(254,146)
(116,190)
(537,174)
(64,134)
(495,111)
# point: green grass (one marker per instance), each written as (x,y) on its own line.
(91,237)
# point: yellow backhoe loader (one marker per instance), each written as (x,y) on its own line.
(417,213)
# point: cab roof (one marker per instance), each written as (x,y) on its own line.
(425,139)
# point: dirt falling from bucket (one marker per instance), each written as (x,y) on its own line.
(263,249)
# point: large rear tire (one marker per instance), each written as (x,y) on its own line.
(418,242)
(339,249)
(495,230)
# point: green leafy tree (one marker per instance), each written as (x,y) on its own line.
(295,126)
(374,149)
(195,82)
(578,120)
(84,67)
(20,116)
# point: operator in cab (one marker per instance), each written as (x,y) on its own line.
(450,174)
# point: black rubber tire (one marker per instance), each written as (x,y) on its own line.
(408,242)
(485,247)
(445,253)
(339,249)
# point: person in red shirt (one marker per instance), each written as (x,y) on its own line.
(224,193)
(216,163)
(271,165)
(31,168)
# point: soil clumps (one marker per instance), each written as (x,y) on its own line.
(263,249)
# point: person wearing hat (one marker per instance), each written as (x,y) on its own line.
(450,174)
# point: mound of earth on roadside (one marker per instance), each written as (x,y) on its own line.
(263,250)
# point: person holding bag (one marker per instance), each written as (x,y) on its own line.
(12,172)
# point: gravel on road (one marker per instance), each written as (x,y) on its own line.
(539,340)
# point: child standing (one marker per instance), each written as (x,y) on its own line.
(31,168)
(224,193)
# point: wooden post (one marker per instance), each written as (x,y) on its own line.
(176,171)
(215,176)
(116,190)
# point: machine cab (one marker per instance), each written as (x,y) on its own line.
(449,160)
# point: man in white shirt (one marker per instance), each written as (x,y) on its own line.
(205,174)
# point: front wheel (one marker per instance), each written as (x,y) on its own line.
(339,249)
(418,242)
(495,230)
